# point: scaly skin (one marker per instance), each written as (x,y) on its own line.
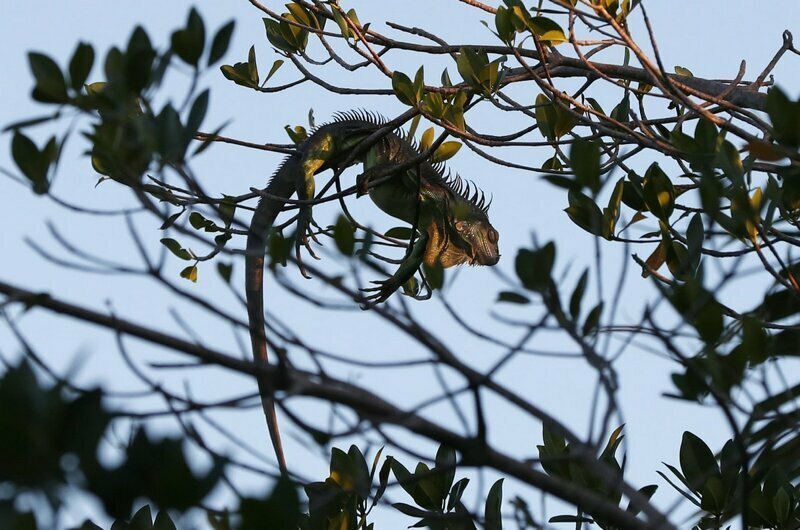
(452,225)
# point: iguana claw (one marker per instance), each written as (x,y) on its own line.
(379,294)
(304,237)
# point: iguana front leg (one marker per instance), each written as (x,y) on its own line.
(363,180)
(315,157)
(407,269)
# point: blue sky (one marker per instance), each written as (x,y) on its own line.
(710,38)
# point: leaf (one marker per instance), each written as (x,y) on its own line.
(197,114)
(584,212)
(275,66)
(403,88)
(658,192)
(399,232)
(592,320)
(188,43)
(695,235)
(569,519)
(697,461)
(426,140)
(276,36)
(577,295)
(221,42)
(343,235)
(584,157)
(512,297)
(647,492)
(785,117)
(545,116)
(621,112)
(225,271)
(493,516)
(50,84)
(680,70)
(446,466)
(504,25)
(176,248)
(534,267)
(80,65)
(611,213)
(445,151)
(163,522)
(419,84)
(548,31)
(34,164)
(190,273)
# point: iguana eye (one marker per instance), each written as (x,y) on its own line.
(492,235)
(460,226)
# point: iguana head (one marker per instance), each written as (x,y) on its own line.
(463,236)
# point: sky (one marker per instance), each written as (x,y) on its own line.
(710,38)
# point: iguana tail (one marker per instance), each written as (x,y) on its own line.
(281,186)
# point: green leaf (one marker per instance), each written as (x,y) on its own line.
(785,117)
(188,43)
(404,88)
(658,192)
(275,66)
(221,42)
(534,267)
(569,519)
(680,70)
(697,461)
(176,248)
(548,31)
(197,114)
(494,500)
(512,297)
(225,271)
(276,36)
(163,522)
(611,213)
(446,466)
(545,117)
(343,235)
(647,492)
(584,212)
(621,112)
(50,84)
(454,497)
(695,236)
(399,232)
(584,158)
(419,84)
(239,74)
(34,164)
(577,295)
(592,320)
(504,25)
(80,65)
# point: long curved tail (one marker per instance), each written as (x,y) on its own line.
(282,186)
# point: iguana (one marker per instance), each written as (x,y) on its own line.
(451,219)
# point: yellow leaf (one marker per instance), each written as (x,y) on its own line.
(445,151)
(190,273)
(427,139)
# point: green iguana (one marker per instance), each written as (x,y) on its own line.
(450,217)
